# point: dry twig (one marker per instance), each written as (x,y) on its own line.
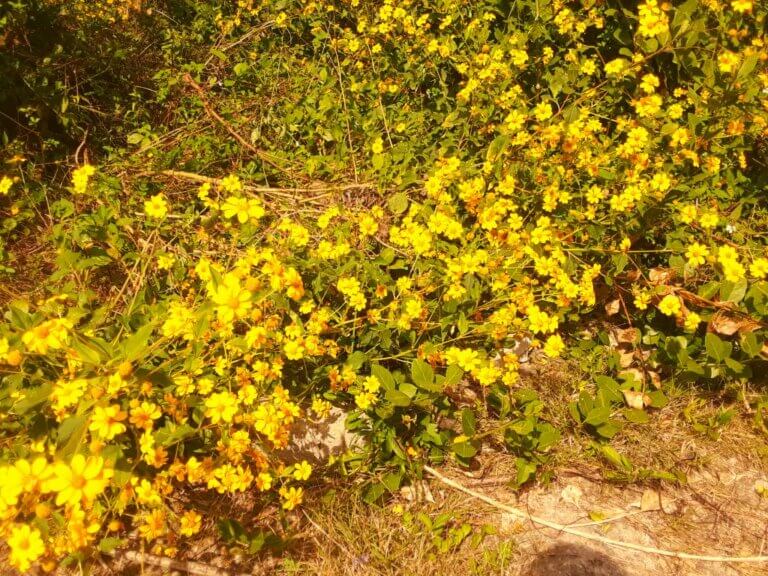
(588,535)
(196,568)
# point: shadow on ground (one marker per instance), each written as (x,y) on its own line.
(573,560)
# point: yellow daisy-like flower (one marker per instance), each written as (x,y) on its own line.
(191,522)
(81,479)
(742,5)
(696,254)
(107,421)
(156,207)
(292,497)
(221,407)
(232,300)
(5,185)
(244,209)
(302,471)
(692,321)
(80,178)
(670,305)
(26,546)
(759,268)
(554,346)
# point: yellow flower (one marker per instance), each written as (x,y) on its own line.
(156,207)
(649,83)
(554,346)
(371,384)
(466,359)
(11,486)
(616,67)
(302,471)
(696,254)
(154,525)
(26,546)
(759,268)
(244,209)
(5,185)
(264,481)
(231,299)
(692,321)
(670,305)
(709,220)
(292,497)
(221,406)
(321,408)
(727,61)
(742,5)
(107,421)
(231,184)
(79,480)
(543,111)
(143,415)
(378,146)
(365,400)
(540,322)
(191,522)
(50,334)
(653,20)
(80,177)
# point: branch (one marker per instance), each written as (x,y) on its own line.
(587,535)
(264,156)
(195,568)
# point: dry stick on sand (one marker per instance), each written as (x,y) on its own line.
(587,535)
(189,567)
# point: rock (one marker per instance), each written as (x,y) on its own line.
(315,442)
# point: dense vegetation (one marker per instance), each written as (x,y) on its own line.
(220,218)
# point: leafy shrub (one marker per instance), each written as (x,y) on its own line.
(520,169)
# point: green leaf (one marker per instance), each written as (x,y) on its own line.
(618,460)
(453,376)
(108,544)
(464,450)
(717,349)
(609,389)
(73,436)
(33,397)
(398,203)
(751,345)
(373,492)
(468,421)
(384,376)
(135,346)
(608,430)
(422,374)
(241,68)
(397,398)
(392,481)
(598,416)
(356,359)
(636,416)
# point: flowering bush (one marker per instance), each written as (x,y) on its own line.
(520,169)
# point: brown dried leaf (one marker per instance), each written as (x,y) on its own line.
(612,307)
(627,335)
(726,325)
(651,500)
(634,399)
(655,379)
(660,276)
(626,359)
